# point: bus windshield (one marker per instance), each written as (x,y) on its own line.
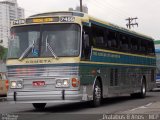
(47,40)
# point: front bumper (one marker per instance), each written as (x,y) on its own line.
(44,97)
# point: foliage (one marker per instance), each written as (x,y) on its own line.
(3,53)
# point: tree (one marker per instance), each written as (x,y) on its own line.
(3,53)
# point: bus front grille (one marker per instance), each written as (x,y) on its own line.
(45,72)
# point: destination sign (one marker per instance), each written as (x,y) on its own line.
(67,19)
(42,20)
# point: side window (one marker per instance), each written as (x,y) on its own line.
(98,37)
(112,39)
(134,45)
(99,41)
(143,46)
(124,42)
(150,48)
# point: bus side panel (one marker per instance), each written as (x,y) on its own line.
(89,73)
(116,80)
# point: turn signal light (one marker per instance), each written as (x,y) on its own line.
(7,84)
(75,82)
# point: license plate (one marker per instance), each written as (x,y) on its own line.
(38,83)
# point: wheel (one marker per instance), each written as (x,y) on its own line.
(142,94)
(39,106)
(97,94)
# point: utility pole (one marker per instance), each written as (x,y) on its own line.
(130,22)
(81,9)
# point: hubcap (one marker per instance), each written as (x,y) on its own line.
(97,93)
(144,89)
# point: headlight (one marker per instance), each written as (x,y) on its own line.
(65,83)
(58,83)
(13,84)
(16,84)
(62,83)
(19,84)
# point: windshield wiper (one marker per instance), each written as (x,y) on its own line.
(27,50)
(50,48)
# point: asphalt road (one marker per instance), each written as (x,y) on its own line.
(78,111)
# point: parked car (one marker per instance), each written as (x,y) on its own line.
(158,81)
(4,84)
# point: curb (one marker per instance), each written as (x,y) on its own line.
(2,99)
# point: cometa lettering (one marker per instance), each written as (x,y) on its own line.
(38,61)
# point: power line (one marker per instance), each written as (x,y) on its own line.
(130,22)
(109,6)
(101,5)
(97,6)
(116,12)
(124,12)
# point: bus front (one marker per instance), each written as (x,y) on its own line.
(43,57)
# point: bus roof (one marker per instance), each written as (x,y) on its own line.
(66,13)
(93,20)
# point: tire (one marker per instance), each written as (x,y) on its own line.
(97,94)
(142,94)
(39,106)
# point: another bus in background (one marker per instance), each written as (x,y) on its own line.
(157,51)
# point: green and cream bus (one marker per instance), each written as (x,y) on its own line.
(66,57)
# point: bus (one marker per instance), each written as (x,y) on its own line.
(67,57)
(157,51)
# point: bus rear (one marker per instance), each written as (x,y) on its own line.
(43,57)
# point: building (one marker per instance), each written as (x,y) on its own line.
(9,11)
(2,67)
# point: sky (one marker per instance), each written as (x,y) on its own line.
(114,11)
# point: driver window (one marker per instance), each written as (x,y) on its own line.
(86,47)
(86,41)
